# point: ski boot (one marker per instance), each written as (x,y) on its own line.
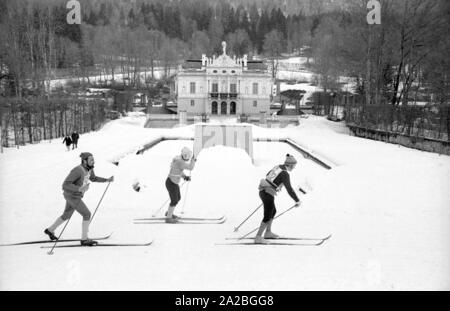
(271,235)
(50,234)
(171,220)
(88,242)
(173,216)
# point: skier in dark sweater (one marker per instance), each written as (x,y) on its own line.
(75,137)
(74,187)
(68,141)
(268,188)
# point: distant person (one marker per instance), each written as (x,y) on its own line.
(68,141)
(75,136)
(268,188)
(179,164)
(74,186)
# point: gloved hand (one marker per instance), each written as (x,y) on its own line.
(111,179)
(297,204)
(187,178)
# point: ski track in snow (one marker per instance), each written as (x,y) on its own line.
(386,206)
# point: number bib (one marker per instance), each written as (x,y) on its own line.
(86,178)
(272,175)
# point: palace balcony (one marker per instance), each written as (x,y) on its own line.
(223,96)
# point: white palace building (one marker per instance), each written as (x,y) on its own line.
(223,86)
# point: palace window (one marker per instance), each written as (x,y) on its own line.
(192,87)
(233,88)
(255,88)
(255,103)
(215,88)
(192,103)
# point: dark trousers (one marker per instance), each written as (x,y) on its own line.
(269,206)
(174,192)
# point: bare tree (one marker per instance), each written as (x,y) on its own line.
(273,47)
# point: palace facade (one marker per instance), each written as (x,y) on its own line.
(223,86)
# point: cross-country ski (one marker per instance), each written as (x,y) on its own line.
(283,238)
(182,218)
(101,244)
(50,241)
(272,243)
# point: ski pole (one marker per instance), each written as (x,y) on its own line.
(244,236)
(184,200)
(301,190)
(154,214)
(50,252)
(92,218)
(237,228)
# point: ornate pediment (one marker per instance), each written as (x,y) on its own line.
(224,60)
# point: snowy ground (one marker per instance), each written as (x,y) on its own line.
(158,73)
(294,69)
(386,206)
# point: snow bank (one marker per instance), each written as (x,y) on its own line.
(223,178)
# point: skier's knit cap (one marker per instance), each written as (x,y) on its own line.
(290,160)
(85,155)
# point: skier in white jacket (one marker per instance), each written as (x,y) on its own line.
(182,162)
